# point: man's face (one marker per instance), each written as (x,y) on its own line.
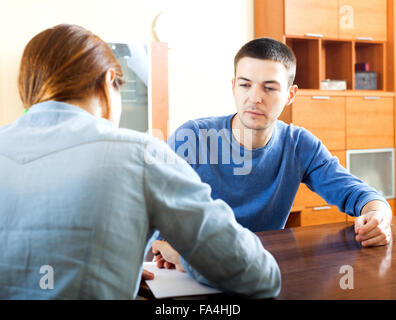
(261,91)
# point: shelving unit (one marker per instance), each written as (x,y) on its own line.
(328,39)
(307,52)
(320,59)
(337,61)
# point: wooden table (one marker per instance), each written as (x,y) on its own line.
(321,262)
(325,262)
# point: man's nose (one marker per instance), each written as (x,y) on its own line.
(255,96)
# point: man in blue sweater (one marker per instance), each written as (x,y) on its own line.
(255,162)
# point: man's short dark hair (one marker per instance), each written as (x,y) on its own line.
(269,49)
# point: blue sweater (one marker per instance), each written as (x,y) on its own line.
(260,185)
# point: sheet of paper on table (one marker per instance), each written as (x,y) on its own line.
(172,283)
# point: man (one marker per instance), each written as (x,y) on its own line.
(255,162)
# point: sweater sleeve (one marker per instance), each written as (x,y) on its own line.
(323,174)
(204,231)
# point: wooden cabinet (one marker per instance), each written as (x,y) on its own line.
(369,122)
(320,59)
(320,215)
(159,90)
(323,50)
(324,116)
(362,19)
(314,216)
(375,55)
(328,39)
(307,52)
(337,61)
(316,18)
(330,19)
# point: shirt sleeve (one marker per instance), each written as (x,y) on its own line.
(323,174)
(204,231)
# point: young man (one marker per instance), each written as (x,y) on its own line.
(255,162)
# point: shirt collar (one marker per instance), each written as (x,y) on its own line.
(58,106)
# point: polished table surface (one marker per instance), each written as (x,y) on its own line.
(326,262)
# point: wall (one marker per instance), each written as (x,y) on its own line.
(207,35)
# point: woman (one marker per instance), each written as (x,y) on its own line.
(80,199)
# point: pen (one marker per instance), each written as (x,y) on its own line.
(156,254)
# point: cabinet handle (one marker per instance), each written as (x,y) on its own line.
(321,208)
(321,97)
(371,98)
(316,35)
(365,38)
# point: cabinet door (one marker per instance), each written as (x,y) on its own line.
(323,116)
(362,19)
(321,215)
(369,122)
(308,198)
(304,17)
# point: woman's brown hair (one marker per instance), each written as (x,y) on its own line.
(66,62)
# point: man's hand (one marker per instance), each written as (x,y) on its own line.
(166,256)
(373,227)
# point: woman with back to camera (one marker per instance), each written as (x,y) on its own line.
(81,200)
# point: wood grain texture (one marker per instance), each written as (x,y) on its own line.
(324,118)
(321,215)
(370,19)
(311,16)
(310,259)
(160,94)
(269,19)
(369,123)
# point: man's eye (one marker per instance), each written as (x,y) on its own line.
(269,89)
(245,85)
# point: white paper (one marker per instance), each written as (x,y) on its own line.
(172,283)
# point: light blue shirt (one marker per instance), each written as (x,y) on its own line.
(80,202)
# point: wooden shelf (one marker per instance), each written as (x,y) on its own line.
(308,66)
(337,61)
(320,59)
(345,93)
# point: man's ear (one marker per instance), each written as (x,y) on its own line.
(233,84)
(292,94)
